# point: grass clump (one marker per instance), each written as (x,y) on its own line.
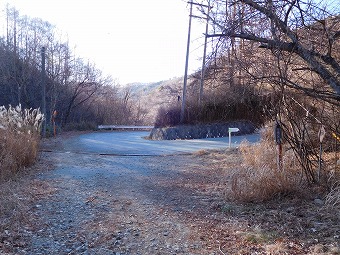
(19,139)
(258,178)
(332,200)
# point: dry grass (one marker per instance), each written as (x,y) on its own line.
(19,142)
(17,151)
(258,178)
(332,200)
(19,139)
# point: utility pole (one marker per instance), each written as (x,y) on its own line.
(204,55)
(187,61)
(43,91)
(186,69)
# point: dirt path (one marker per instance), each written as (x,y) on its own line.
(115,205)
(120,205)
(97,204)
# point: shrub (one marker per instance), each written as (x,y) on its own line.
(19,138)
(80,126)
(168,117)
(213,111)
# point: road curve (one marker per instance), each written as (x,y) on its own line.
(134,143)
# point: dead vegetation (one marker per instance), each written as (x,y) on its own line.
(282,216)
(19,139)
(259,178)
(332,200)
(17,151)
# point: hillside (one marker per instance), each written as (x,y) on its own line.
(152,96)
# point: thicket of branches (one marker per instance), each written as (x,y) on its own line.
(75,88)
(287,52)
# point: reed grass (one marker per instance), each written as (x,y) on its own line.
(19,139)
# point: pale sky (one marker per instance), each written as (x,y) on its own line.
(131,40)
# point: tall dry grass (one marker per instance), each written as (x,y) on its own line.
(19,139)
(259,178)
(332,200)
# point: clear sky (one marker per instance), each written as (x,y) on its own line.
(131,40)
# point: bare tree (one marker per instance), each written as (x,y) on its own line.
(288,26)
(74,88)
(83,82)
(288,50)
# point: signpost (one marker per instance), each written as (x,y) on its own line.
(54,116)
(232,130)
(43,91)
(278,140)
(321,134)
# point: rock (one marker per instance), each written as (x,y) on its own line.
(319,248)
(201,131)
(318,201)
(334,250)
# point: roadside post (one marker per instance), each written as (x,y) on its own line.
(232,130)
(54,116)
(278,140)
(321,134)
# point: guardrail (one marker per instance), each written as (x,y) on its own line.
(122,127)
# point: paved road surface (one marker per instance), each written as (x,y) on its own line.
(134,143)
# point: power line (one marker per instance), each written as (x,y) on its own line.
(187,58)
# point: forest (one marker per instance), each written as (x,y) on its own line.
(79,93)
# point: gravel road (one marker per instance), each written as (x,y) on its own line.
(120,204)
(79,200)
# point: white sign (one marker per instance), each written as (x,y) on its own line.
(231,130)
(322,133)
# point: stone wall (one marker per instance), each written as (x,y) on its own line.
(201,131)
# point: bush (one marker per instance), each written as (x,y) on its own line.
(168,117)
(80,126)
(222,110)
(19,139)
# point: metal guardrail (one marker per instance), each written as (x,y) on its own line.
(122,127)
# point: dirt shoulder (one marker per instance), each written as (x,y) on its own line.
(75,203)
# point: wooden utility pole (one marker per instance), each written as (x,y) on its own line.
(186,70)
(204,55)
(43,91)
(187,60)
